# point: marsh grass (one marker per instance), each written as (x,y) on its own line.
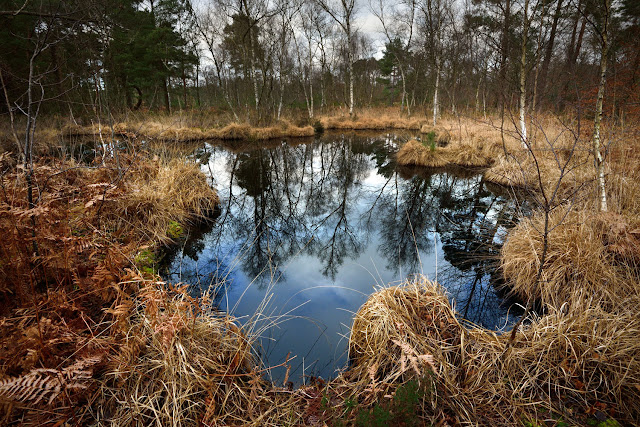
(179,361)
(573,356)
(171,359)
(414,153)
(590,255)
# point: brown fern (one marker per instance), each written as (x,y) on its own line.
(47,384)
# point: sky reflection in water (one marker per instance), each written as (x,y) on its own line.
(306,232)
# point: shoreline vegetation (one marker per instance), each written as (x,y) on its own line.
(92,336)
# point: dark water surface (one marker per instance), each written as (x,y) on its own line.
(306,232)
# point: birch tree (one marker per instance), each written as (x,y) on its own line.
(434,15)
(603,35)
(397,24)
(342,12)
(523,72)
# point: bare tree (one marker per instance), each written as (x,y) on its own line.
(209,23)
(436,16)
(308,30)
(342,12)
(398,24)
(603,35)
(523,71)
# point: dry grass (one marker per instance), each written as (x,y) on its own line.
(159,195)
(173,361)
(415,153)
(166,129)
(464,154)
(590,256)
(231,131)
(574,357)
(463,142)
(178,363)
(512,173)
(371,120)
(479,154)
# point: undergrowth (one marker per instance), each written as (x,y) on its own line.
(91,336)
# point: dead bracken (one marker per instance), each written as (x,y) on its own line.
(110,341)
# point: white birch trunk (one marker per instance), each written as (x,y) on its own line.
(435,92)
(599,160)
(351,79)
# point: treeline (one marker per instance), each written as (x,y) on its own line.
(258,58)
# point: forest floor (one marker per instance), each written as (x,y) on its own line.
(90,335)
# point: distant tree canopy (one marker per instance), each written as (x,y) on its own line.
(253,57)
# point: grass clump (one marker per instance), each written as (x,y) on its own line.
(159,198)
(590,255)
(179,362)
(371,120)
(574,356)
(414,153)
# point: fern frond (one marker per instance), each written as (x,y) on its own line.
(46,384)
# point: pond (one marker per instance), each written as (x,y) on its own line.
(306,232)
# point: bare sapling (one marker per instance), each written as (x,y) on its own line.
(552,163)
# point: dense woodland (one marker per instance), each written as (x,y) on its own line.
(256,58)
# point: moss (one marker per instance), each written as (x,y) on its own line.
(175,230)
(400,411)
(146,260)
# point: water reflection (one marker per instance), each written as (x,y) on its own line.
(315,227)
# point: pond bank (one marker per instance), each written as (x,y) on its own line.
(126,336)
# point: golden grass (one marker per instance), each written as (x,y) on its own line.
(479,154)
(414,153)
(464,154)
(162,194)
(166,129)
(583,353)
(371,120)
(590,256)
(464,142)
(511,173)
(231,131)
(178,364)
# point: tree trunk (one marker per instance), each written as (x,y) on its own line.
(549,52)
(599,160)
(435,92)
(165,91)
(504,49)
(523,74)
(404,92)
(477,109)
(281,96)
(198,83)
(351,79)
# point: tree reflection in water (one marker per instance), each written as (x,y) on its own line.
(316,226)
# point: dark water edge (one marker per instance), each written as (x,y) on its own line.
(306,232)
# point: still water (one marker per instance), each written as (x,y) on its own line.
(306,232)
